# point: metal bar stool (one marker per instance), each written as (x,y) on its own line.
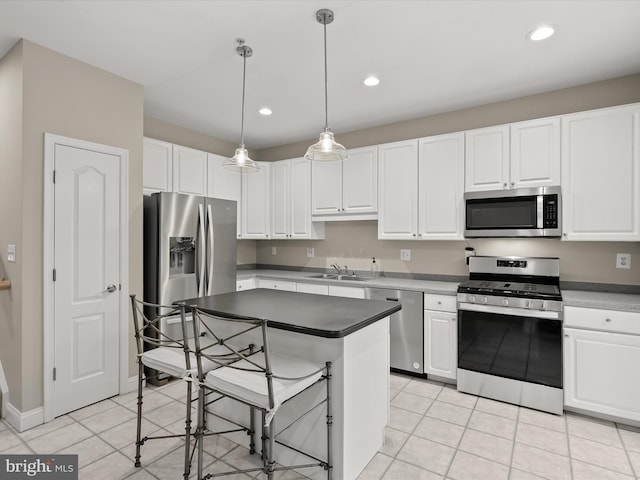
(167,352)
(249,373)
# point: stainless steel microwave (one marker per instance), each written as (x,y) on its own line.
(521,212)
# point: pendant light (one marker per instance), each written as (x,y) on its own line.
(240,162)
(327,149)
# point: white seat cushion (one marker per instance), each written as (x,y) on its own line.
(172,361)
(251,387)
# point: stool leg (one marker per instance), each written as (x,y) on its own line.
(139,420)
(187,434)
(270,461)
(200,429)
(252,430)
(329,425)
(264,440)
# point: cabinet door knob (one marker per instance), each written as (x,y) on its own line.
(414,234)
(504,185)
(607,320)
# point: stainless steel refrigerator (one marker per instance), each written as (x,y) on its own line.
(189,249)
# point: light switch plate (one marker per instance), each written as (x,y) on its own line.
(11,253)
(405,254)
(623,260)
(310,252)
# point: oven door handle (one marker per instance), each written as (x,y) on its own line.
(518,312)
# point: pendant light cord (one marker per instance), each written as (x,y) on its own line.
(326,103)
(244,75)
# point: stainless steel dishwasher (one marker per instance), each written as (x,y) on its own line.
(406,326)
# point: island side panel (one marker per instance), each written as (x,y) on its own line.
(366,395)
(360,401)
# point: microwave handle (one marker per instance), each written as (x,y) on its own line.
(540,211)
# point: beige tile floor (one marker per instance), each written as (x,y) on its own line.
(434,433)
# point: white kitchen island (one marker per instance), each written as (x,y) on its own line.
(353,334)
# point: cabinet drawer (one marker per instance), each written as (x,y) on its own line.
(246,284)
(312,288)
(604,320)
(442,303)
(277,284)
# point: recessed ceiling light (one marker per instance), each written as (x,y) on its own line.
(265,111)
(371,81)
(541,33)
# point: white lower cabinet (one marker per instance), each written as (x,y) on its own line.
(277,284)
(246,284)
(312,288)
(341,291)
(602,367)
(440,336)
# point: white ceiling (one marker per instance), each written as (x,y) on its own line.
(431,56)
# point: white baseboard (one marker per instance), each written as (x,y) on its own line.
(24,421)
(131,385)
(4,390)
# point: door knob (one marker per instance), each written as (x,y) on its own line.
(110,289)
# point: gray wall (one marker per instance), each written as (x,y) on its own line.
(11,218)
(63,96)
(354,243)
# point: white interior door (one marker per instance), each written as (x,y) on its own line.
(87,277)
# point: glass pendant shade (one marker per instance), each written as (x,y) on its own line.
(240,162)
(327,149)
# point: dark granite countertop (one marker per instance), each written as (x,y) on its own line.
(317,315)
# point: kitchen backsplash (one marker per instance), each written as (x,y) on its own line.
(355,243)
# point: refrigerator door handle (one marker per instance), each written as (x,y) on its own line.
(209,250)
(200,253)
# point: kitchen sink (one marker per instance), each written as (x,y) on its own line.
(335,276)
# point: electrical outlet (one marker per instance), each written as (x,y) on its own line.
(623,260)
(310,252)
(11,253)
(405,254)
(273,250)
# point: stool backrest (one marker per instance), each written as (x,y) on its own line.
(235,341)
(148,323)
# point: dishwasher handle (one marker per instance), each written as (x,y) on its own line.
(393,299)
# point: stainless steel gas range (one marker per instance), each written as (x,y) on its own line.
(510,331)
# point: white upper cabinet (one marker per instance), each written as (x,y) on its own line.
(524,154)
(441,187)
(487,158)
(421,189)
(280,199)
(348,189)
(601,174)
(291,201)
(157,166)
(300,224)
(360,181)
(256,203)
(326,188)
(398,190)
(222,184)
(189,171)
(535,153)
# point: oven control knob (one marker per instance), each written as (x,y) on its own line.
(484,299)
(473,299)
(527,304)
(505,302)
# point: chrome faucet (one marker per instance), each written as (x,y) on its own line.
(337,267)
